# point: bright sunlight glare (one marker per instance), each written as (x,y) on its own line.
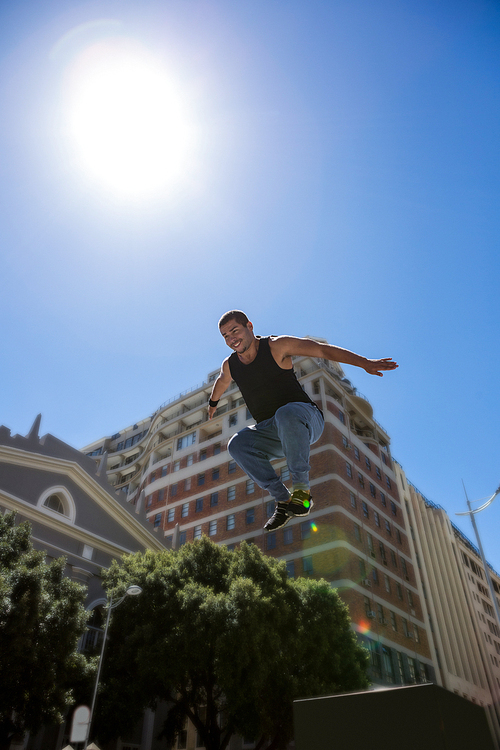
(125,119)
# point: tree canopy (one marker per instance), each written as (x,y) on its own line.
(42,616)
(227,639)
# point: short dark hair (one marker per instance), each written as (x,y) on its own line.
(237,315)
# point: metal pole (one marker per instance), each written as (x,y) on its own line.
(94,697)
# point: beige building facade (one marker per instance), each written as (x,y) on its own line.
(464,633)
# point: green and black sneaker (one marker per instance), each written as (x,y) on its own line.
(300,503)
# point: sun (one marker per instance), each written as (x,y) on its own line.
(126,122)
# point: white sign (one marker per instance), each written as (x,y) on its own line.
(80,723)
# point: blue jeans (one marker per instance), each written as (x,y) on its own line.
(289,433)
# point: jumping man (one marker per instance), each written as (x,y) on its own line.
(288,421)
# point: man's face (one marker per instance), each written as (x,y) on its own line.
(237,337)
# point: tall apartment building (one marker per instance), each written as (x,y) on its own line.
(464,633)
(176,463)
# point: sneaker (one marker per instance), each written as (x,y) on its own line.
(280,517)
(300,504)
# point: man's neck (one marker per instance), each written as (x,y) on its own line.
(249,354)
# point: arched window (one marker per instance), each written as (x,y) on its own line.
(58,503)
(54,502)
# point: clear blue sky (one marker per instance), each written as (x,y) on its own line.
(340,179)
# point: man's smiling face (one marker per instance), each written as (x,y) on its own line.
(238,337)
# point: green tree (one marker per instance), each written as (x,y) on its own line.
(42,617)
(227,639)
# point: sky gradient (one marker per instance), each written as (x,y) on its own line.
(342,181)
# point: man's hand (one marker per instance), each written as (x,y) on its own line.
(374,366)
(211,411)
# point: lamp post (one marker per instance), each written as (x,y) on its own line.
(131,591)
(472,513)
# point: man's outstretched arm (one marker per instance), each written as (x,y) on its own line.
(284,347)
(220,386)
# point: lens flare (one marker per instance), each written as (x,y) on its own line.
(364,627)
(306,503)
(314,527)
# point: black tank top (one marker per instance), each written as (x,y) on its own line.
(265,385)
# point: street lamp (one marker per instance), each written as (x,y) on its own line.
(133,590)
(472,513)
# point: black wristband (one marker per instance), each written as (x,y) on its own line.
(213,403)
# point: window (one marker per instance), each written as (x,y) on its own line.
(382,552)
(369,539)
(233,419)
(373,491)
(394,559)
(185,510)
(357,532)
(173,489)
(201,479)
(405,627)
(380,614)
(341,416)
(54,502)
(187,483)
(368,463)
(388,483)
(307,563)
(305,530)
(161,495)
(378,473)
(377,518)
(398,536)
(212,528)
(410,598)
(288,537)
(164,471)
(250,487)
(149,501)
(183,442)
(362,568)
(285,473)
(177,465)
(157,520)
(394,622)
(271,540)
(416,633)
(87,552)
(171,514)
(387,526)
(361,479)
(375,575)
(348,469)
(199,505)
(151,478)
(231,493)
(250,515)
(345,441)
(214,499)
(215,474)
(399,590)
(217,449)
(231,467)
(365,509)
(394,510)
(404,569)
(190,459)
(356,452)
(197,532)
(203,454)
(387,584)
(270,506)
(230,522)
(290,568)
